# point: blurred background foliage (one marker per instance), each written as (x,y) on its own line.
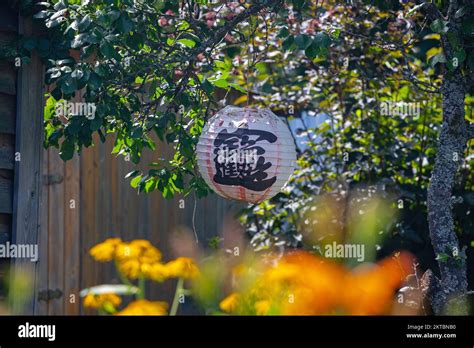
(357,151)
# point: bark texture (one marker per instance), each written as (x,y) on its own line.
(451,145)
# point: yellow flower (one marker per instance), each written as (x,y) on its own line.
(262,307)
(138,249)
(138,258)
(231,303)
(156,271)
(182,267)
(145,307)
(106,250)
(130,268)
(128,251)
(100,301)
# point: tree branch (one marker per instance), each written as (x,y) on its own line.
(216,39)
(431,11)
(470,131)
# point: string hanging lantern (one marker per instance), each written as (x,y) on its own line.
(246,154)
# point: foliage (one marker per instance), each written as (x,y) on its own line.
(360,149)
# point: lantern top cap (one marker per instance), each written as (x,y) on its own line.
(247,108)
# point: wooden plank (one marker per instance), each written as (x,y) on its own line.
(56,212)
(41,307)
(28,176)
(102,213)
(6,39)
(6,191)
(7,113)
(88,216)
(5,228)
(72,237)
(8,19)
(7,78)
(7,151)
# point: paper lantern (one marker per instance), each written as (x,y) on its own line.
(246,154)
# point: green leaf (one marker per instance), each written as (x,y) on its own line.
(207,87)
(322,39)
(439,26)
(288,43)
(108,51)
(132,174)
(284,32)
(298,4)
(69,85)
(41,15)
(85,23)
(312,51)
(238,87)
(414,9)
(460,13)
(124,24)
(439,58)
(187,42)
(135,181)
(80,40)
(221,83)
(303,41)
(67,149)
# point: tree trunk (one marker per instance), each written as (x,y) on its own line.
(451,145)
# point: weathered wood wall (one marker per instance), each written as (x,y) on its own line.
(87,200)
(8,91)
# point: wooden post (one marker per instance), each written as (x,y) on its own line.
(28,174)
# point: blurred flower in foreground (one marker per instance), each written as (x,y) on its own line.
(300,283)
(182,267)
(145,307)
(137,261)
(105,251)
(102,301)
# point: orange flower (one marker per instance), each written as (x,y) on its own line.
(371,291)
(144,307)
(316,289)
(304,284)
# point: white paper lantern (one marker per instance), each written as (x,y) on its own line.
(246,154)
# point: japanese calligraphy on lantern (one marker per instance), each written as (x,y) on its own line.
(246,154)
(240,159)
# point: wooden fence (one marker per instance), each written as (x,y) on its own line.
(8,91)
(87,200)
